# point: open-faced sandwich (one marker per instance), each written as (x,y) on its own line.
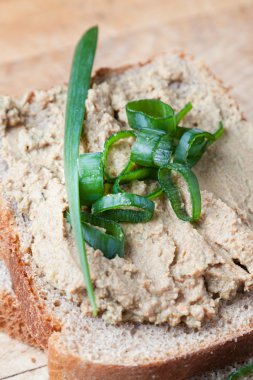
(128,231)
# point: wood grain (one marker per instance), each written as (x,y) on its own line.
(37,40)
(16,357)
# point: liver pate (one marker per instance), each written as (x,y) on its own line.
(172,271)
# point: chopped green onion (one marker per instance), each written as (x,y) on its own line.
(151,114)
(174,195)
(151,149)
(184,111)
(115,207)
(108,144)
(139,174)
(219,132)
(163,151)
(180,131)
(193,144)
(91,177)
(244,371)
(79,84)
(111,242)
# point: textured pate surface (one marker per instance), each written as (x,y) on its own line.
(172,271)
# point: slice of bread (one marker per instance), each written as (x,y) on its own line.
(86,348)
(12,323)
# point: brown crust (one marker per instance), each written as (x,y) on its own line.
(40,324)
(11,320)
(64,365)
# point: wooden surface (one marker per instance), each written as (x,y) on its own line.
(36,43)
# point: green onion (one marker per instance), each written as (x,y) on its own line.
(174,195)
(75,110)
(91,177)
(111,242)
(151,149)
(193,144)
(108,144)
(151,114)
(115,207)
(244,371)
(180,131)
(219,132)
(184,111)
(139,174)
(163,151)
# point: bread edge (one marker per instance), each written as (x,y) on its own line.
(11,319)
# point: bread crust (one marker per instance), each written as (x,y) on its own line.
(45,330)
(11,319)
(63,365)
(40,324)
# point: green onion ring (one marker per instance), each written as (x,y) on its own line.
(139,174)
(108,144)
(114,206)
(151,114)
(143,149)
(163,151)
(111,242)
(192,145)
(168,185)
(151,149)
(91,177)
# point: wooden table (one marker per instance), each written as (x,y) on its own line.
(36,43)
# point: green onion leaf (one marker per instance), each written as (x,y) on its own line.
(143,148)
(193,144)
(151,149)
(108,144)
(79,84)
(163,151)
(115,207)
(174,195)
(184,111)
(139,174)
(151,114)
(220,131)
(111,242)
(180,131)
(242,372)
(91,177)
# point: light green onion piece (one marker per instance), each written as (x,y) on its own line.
(184,111)
(91,177)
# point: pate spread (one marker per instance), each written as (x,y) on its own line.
(172,271)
